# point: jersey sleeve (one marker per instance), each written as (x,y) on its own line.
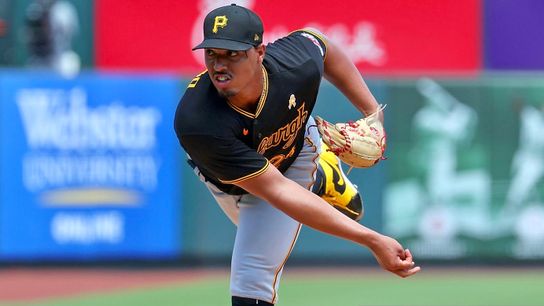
(313,41)
(228,160)
(296,49)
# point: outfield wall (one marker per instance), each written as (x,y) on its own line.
(463,179)
(89,167)
(91,170)
(382,37)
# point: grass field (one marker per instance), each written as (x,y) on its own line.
(357,287)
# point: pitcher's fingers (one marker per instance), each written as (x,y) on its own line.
(404,264)
(408,272)
(408,255)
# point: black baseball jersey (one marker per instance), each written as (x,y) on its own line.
(229,144)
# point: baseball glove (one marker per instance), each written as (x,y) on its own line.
(360,144)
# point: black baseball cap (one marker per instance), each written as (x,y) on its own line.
(232,27)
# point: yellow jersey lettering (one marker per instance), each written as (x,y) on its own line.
(195,80)
(287,133)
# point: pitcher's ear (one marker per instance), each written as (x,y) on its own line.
(261,50)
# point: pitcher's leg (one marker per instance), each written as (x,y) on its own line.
(264,240)
(266,236)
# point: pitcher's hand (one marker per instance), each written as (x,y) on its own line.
(393,257)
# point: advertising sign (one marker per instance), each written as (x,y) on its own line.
(385,37)
(466,168)
(513,35)
(88,167)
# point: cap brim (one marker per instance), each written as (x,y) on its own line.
(223,44)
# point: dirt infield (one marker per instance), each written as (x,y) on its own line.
(34,284)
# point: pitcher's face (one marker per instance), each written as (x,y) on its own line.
(233,71)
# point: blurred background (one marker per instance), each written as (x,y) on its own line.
(91,171)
